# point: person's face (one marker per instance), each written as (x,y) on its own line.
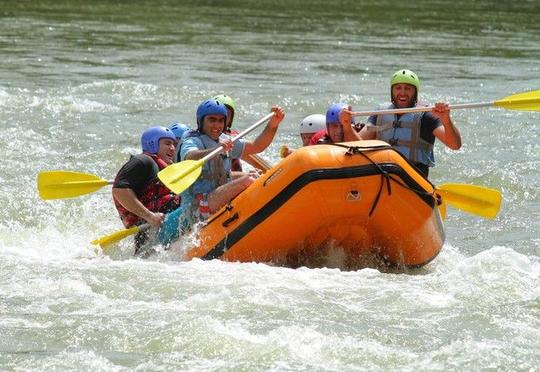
(213,126)
(306,137)
(403,95)
(335,132)
(167,149)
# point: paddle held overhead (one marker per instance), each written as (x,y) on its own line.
(179,176)
(528,101)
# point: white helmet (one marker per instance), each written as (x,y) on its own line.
(313,124)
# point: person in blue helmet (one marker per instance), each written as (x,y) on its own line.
(216,186)
(340,126)
(179,130)
(413,134)
(137,193)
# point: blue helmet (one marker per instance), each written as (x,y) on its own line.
(179,129)
(150,138)
(210,107)
(332,114)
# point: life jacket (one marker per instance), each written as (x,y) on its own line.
(215,172)
(404,134)
(317,137)
(155,196)
(218,169)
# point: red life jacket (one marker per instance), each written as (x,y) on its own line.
(155,196)
(319,137)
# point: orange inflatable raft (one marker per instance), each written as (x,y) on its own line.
(330,205)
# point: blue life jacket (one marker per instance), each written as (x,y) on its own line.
(215,172)
(403,134)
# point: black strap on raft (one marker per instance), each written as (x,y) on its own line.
(228,208)
(230,220)
(385,176)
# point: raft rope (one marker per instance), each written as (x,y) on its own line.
(385,176)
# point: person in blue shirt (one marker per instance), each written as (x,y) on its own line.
(216,186)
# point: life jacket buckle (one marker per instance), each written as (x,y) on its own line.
(396,124)
(393,141)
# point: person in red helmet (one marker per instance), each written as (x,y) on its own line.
(413,134)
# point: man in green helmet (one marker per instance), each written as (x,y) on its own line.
(413,134)
(254,160)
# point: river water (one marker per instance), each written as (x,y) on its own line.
(80,80)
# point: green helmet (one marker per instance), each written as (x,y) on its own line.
(405,77)
(227,101)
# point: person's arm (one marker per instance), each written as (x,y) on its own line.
(264,139)
(191,151)
(345,118)
(225,193)
(367,134)
(448,133)
(129,200)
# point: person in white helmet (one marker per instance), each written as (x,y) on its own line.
(310,125)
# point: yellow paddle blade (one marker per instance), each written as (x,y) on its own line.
(528,101)
(116,237)
(478,200)
(179,176)
(64,184)
(442,210)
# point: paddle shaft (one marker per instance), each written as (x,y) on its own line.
(421,109)
(527,101)
(261,163)
(115,237)
(219,149)
(84,183)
